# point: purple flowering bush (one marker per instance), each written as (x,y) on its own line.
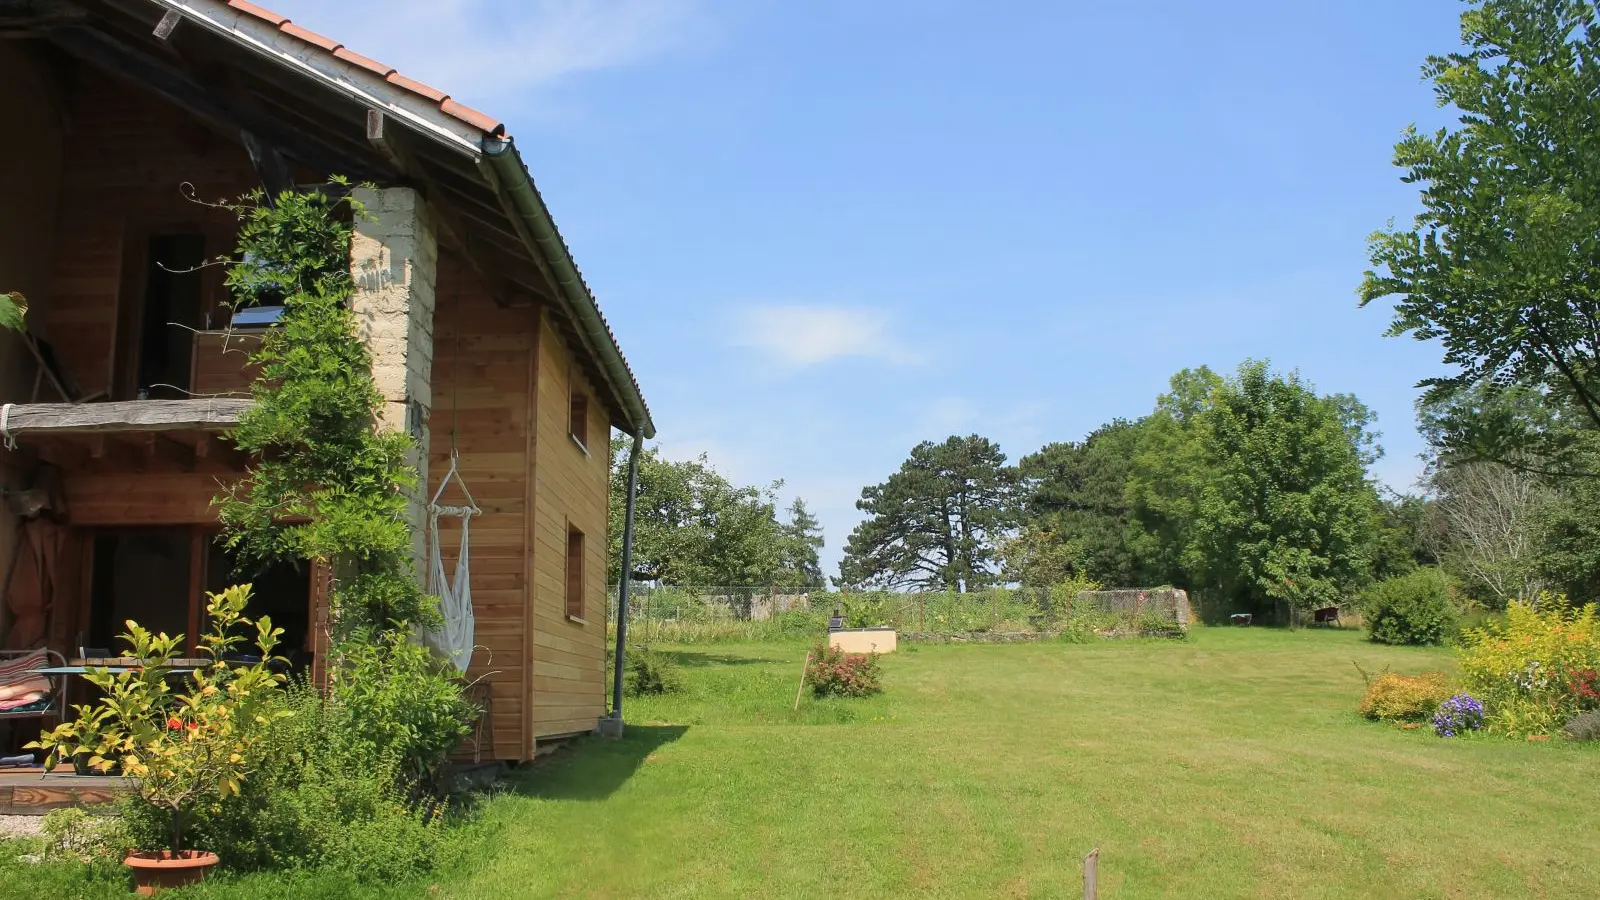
(1459,714)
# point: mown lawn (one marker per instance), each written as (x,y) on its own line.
(1232,765)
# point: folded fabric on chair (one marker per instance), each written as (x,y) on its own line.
(28,702)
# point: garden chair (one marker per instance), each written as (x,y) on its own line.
(24,694)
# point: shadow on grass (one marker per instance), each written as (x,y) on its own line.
(595,767)
(694,659)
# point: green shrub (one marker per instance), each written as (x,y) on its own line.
(73,834)
(1414,608)
(1392,697)
(392,700)
(1584,726)
(318,800)
(834,673)
(649,672)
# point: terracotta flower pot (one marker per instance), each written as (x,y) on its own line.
(156,870)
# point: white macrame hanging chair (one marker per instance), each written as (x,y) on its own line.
(453,640)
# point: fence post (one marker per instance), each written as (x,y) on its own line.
(1091,875)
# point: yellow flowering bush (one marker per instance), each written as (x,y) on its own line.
(1537,669)
(177,748)
(1392,697)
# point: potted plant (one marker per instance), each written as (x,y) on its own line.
(178,749)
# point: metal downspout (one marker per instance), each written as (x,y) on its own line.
(625,579)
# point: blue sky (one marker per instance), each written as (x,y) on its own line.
(826,230)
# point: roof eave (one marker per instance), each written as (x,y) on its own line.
(518,184)
(361,83)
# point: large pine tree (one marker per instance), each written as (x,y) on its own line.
(934,524)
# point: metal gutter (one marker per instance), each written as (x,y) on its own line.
(514,179)
(363,85)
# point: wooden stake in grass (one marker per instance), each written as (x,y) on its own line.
(802,688)
(1091,875)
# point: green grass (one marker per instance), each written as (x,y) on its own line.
(1232,765)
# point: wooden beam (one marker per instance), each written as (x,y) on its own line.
(389,139)
(486,169)
(216,451)
(125,416)
(167,25)
(271,168)
(168,453)
(178,87)
(64,456)
(37,18)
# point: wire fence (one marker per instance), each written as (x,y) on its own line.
(658,612)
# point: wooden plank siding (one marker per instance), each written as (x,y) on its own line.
(482,356)
(123,171)
(572,489)
(221,365)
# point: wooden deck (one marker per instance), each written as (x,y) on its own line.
(33,792)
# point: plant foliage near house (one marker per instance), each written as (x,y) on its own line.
(180,750)
(324,484)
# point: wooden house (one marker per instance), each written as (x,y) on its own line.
(118,115)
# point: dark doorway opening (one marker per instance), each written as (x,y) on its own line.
(281,591)
(141,575)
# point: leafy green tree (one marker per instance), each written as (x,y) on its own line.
(1566,539)
(802,548)
(1170,467)
(1502,266)
(1254,488)
(1401,535)
(1036,556)
(936,522)
(1076,492)
(692,526)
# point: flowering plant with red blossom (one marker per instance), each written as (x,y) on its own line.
(178,748)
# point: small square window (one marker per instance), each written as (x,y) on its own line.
(574,573)
(578,419)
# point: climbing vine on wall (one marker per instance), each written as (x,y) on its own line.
(324,484)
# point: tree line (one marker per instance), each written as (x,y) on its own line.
(692,526)
(1250,486)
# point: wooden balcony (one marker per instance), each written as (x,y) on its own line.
(129,435)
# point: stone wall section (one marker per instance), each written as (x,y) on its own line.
(394,261)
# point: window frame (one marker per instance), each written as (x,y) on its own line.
(576,396)
(572,582)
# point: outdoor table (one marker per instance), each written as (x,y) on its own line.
(119,664)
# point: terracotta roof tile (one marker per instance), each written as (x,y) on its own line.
(254,10)
(310,37)
(366,62)
(417,87)
(472,117)
(467,114)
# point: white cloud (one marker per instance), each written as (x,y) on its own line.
(807,335)
(484,52)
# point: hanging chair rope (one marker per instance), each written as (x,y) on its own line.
(454,639)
